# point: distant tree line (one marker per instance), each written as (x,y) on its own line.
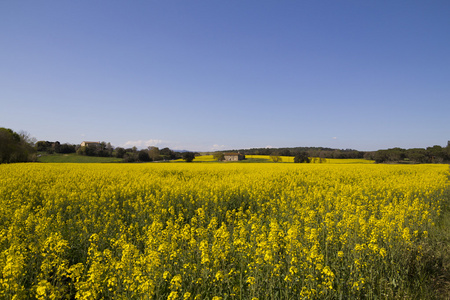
(16,147)
(20,147)
(311,152)
(104,149)
(146,155)
(55,147)
(435,154)
(301,157)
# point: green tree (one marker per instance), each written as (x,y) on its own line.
(42,146)
(143,156)
(419,155)
(301,157)
(166,153)
(56,146)
(219,156)
(91,150)
(109,149)
(285,152)
(396,154)
(188,156)
(103,150)
(275,158)
(380,156)
(153,153)
(438,154)
(130,157)
(120,152)
(67,148)
(15,147)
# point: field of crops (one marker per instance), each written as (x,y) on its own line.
(216,231)
(285,159)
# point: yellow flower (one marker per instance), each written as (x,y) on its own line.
(136,225)
(166,275)
(219,275)
(175,283)
(251,280)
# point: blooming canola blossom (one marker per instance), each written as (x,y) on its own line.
(205,230)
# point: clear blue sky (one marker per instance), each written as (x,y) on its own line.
(205,75)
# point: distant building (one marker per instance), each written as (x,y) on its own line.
(85,144)
(231,156)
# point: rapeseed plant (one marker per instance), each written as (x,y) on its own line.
(197,231)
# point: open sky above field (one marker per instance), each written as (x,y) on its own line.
(210,75)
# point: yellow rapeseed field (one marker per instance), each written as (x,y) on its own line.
(287,159)
(214,231)
(290,159)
